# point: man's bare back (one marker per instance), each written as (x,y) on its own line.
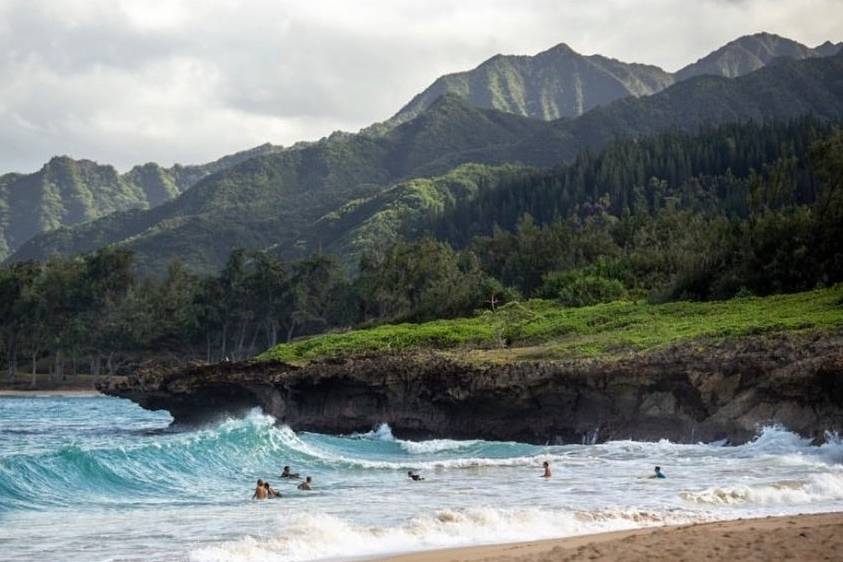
(260,492)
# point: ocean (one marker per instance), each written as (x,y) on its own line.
(93,478)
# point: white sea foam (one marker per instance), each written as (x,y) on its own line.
(435,446)
(381,433)
(821,487)
(310,537)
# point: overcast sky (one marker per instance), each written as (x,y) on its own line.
(132,81)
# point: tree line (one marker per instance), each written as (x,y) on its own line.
(739,210)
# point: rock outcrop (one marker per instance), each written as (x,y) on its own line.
(700,391)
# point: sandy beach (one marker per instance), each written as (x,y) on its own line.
(803,537)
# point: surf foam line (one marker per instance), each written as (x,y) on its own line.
(321,536)
(771,441)
(815,488)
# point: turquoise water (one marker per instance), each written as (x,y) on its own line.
(97,478)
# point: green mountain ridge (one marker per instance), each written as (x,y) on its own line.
(275,200)
(751,52)
(555,83)
(560,82)
(67,192)
(342,192)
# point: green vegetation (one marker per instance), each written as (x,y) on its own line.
(771,223)
(550,331)
(67,192)
(562,83)
(275,201)
(530,86)
(403,210)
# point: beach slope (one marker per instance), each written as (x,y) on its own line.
(805,538)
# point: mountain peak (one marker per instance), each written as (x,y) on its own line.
(828,49)
(549,85)
(746,54)
(558,49)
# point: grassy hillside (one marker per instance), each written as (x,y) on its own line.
(543,330)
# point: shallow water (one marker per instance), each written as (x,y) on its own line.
(97,478)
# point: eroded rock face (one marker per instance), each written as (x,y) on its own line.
(687,393)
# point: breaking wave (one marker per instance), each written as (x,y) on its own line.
(320,536)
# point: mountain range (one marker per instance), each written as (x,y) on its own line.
(348,192)
(560,82)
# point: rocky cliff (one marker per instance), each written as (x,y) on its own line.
(702,391)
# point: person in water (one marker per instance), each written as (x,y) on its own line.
(287,474)
(659,473)
(260,491)
(270,492)
(306,484)
(547,472)
(413,476)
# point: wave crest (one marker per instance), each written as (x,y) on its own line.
(320,536)
(816,488)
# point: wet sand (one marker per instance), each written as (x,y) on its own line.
(805,538)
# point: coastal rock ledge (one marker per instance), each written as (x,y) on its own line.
(691,392)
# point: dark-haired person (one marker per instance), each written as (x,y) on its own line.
(659,473)
(306,485)
(260,491)
(414,476)
(547,471)
(270,492)
(287,474)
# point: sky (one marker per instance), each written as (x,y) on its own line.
(126,82)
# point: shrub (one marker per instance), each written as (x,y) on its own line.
(576,288)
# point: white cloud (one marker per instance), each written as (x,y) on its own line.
(129,81)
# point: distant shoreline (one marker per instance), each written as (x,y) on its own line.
(799,537)
(21,385)
(52,392)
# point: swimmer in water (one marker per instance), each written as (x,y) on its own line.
(270,493)
(659,473)
(306,484)
(547,472)
(413,476)
(260,491)
(287,474)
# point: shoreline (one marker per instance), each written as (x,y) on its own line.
(71,385)
(50,392)
(804,537)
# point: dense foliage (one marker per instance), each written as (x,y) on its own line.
(738,208)
(737,211)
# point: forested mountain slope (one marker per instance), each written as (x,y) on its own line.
(275,200)
(278,201)
(751,52)
(560,82)
(65,192)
